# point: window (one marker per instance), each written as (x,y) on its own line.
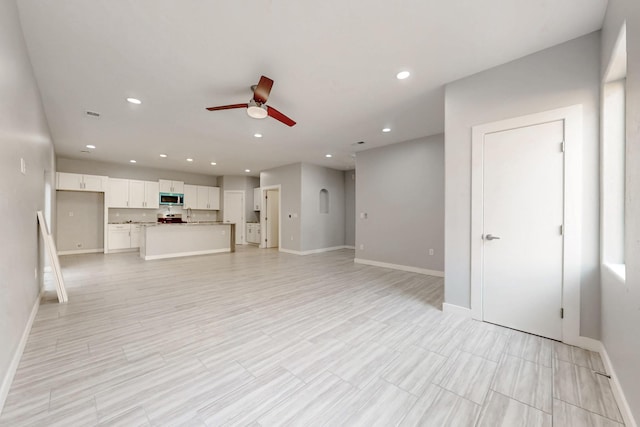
(324,201)
(613,155)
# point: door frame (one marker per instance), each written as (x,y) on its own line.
(572,220)
(243,226)
(263,213)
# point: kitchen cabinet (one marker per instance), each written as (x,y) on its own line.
(129,193)
(208,198)
(253,233)
(144,194)
(201,197)
(135,235)
(257,199)
(80,182)
(118,193)
(123,236)
(167,186)
(190,197)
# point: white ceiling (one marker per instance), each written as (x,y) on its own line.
(333,62)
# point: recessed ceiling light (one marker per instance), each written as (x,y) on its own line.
(257,135)
(163,155)
(385,130)
(247,170)
(134,101)
(213,163)
(90,146)
(132,161)
(328,156)
(189,160)
(403,75)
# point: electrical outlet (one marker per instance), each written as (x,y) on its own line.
(35,272)
(70,213)
(431,252)
(361,247)
(144,214)
(23,166)
(292,238)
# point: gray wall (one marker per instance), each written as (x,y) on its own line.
(322,230)
(560,76)
(23,134)
(129,171)
(621,301)
(290,179)
(240,183)
(401,189)
(80,220)
(350,208)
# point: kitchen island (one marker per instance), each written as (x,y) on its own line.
(159,241)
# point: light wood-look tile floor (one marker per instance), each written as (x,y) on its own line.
(262,338)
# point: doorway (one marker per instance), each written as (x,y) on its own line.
(234,212)
(525,223)
(271,236)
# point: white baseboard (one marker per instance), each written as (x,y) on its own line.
(623,405)
(400,267)
(350,247)
(121,251)
(15,361)
(81,251)
(183,254)
(456,309)
(314,251)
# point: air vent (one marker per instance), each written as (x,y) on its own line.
(92,114)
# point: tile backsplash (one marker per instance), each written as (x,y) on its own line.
(151,215)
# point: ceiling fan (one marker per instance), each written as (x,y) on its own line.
(257,107)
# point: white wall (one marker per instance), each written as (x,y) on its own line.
(23,134)
(350,207)
(621,300)
(560,76)
(322,230)
(401,189)
(289,177)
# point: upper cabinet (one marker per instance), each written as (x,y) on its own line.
(190,197)
(118,194)
(80,182)
(208,197)
(257,199)
(144,194)
(129,193)
(167,186)
(201,197)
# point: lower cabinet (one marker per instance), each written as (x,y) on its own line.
(253,233)
(123,236)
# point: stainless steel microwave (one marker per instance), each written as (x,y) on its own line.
(171,199)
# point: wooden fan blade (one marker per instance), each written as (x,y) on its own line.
(227,107)
(272,112)
(263,90)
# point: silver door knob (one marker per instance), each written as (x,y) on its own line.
(491,237)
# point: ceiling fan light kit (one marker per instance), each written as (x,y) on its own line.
(256,107)
(256,111)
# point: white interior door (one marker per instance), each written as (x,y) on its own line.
(523,214)
(234,212)
(272,218)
